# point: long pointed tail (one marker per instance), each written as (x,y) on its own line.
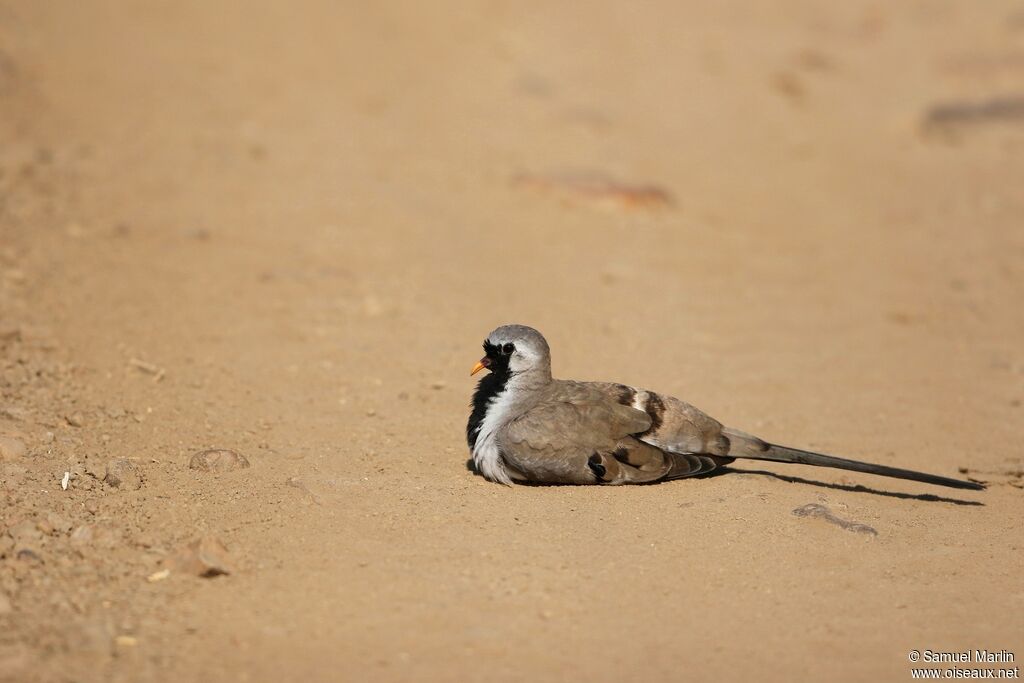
(747,446)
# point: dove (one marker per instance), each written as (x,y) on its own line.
(526,426)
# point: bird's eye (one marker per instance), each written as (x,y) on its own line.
(507,349)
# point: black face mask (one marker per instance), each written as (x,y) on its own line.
(496,359)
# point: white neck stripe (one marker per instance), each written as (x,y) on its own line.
(486,454)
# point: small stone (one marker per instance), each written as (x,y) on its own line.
(437,386)
(75,419)
(6,546)
(218,460)
(126,641)
(205,557)
(28,555)
(122,473)
(158,576)
(11,448)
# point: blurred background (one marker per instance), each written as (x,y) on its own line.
(285,228)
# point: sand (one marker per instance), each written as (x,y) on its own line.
(285,231)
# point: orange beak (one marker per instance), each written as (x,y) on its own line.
(480,365)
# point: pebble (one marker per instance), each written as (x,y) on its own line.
(28,555)
(11,448)
(122,473)
(158,576)
(75,419)
(218,460)
(205,557)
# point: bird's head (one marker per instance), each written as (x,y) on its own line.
(512,350)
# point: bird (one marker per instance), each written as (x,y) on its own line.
(527,427)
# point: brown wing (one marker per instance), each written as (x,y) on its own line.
(584,433)
(681,441)
(636,462)
(554,441)
(676,426)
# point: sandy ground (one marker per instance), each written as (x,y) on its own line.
(286,230)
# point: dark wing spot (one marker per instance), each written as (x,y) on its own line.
(626,394)
(595,464)
(656,410)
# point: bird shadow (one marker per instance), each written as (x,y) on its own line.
(853,488)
